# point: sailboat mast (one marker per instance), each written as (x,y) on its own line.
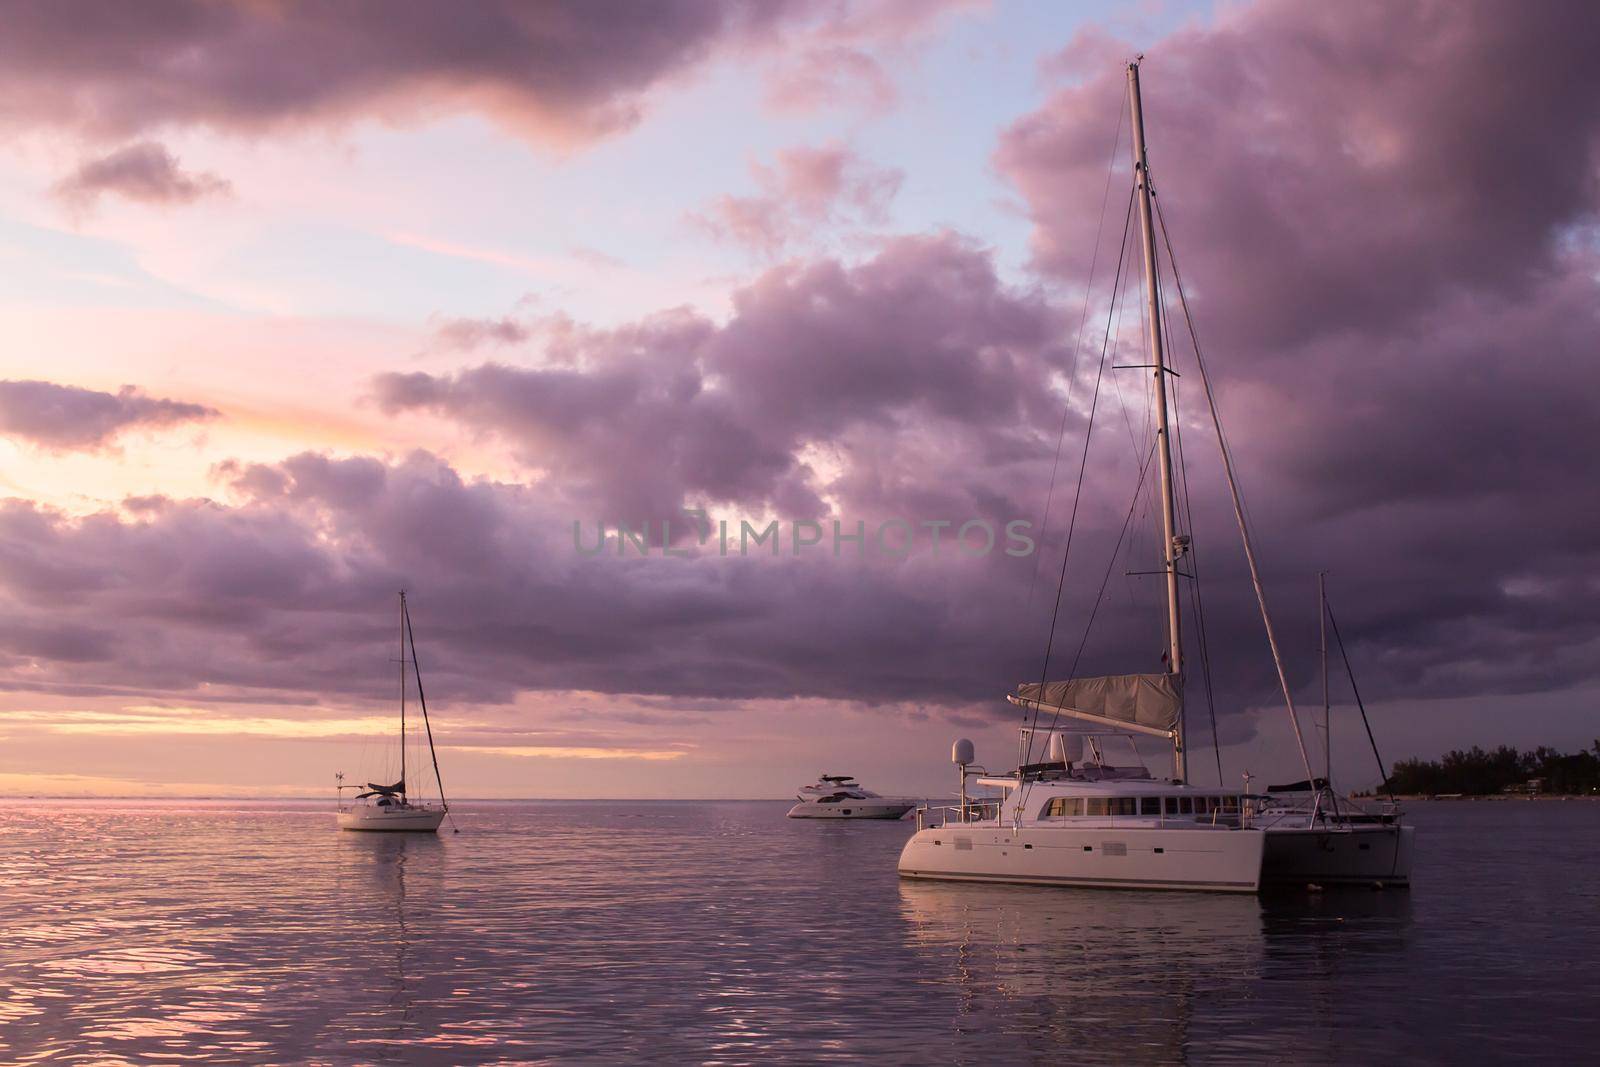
(1172,550)
(1327,705)
(402,692)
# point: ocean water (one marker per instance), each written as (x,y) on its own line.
(721,932)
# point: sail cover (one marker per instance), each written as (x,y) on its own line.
(1151,701)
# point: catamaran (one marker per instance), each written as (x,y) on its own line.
(1078,818)
(397,807)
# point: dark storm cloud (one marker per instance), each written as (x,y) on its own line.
(920,352)
(286,591)
(1385,217)
(146,172)
(1401,316)
(1375,159)
(63,418)
(575,69)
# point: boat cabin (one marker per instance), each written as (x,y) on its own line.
(1146,801)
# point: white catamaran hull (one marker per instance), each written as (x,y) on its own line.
(1227,861)
(416,820)
(1360,854)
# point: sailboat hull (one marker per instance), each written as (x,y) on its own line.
(388,820)
(1224,861)
(1371,855)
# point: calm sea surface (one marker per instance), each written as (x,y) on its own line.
(722,932)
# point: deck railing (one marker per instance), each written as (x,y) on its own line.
(932,816)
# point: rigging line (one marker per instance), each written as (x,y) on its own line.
(1197,601)
(1144,469)
(423,701)
(1133,439)
(1088,626)
(1238,501)
(1133,442)
(1162,324)
(1083,465)
(1363,708)
(1138,442)
(1077,346)
(1196,597)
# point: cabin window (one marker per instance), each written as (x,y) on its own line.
(1124,805)
(1096,806)
(1186,805)
(1230,805)
(1060,806)
(1172,805)
(1149,805)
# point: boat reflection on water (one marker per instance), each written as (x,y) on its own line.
(1146,977)
(384,882)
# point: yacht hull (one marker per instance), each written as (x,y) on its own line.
(1373,855)
(1224,861)
(853,809)
(382,821)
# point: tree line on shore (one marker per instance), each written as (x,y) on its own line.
(1476,772)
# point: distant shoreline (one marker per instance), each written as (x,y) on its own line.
(1498,797)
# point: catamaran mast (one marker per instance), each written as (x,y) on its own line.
(402,692)
(1327,707)
(1173,547)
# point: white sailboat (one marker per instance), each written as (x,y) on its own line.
(395,807)
(1072,820)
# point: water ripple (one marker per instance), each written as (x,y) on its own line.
(722,933)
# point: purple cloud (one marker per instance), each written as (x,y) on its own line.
(805,188)
(467,334)
(841,62)
(1383,219)
(65,418)
(1393,270)
(569,70)
(146,172)
(283,592)
(632,423)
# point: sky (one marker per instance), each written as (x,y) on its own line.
(303,305)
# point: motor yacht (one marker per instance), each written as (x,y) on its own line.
(840,796)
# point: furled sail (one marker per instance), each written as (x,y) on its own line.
(383,790)
(1145,703)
